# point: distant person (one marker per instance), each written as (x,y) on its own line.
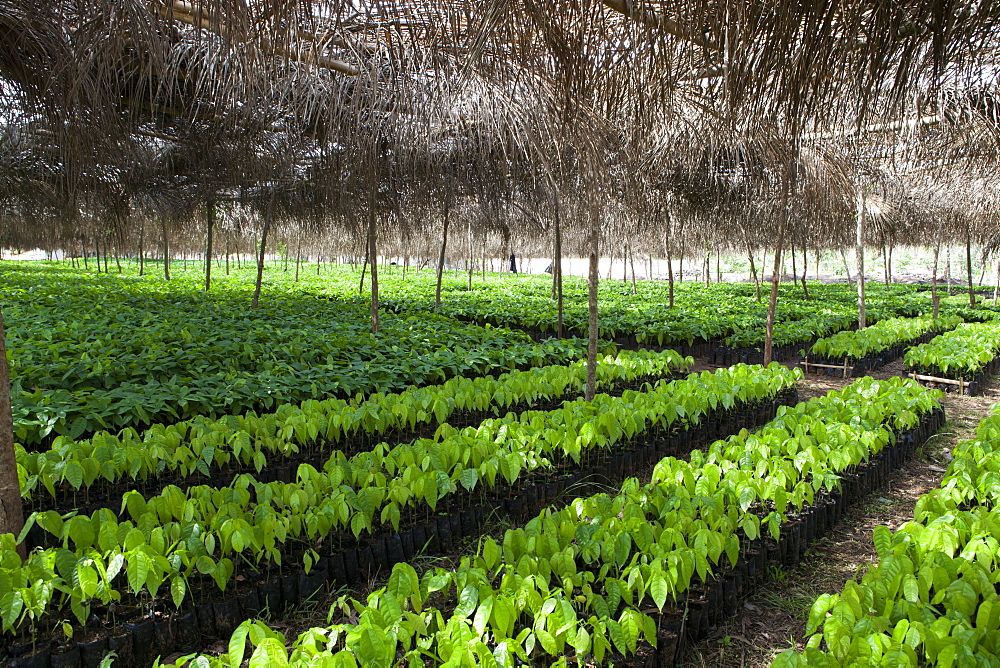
(513,264)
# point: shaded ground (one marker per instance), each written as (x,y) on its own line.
(773,619)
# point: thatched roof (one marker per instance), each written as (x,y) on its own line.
(696,106)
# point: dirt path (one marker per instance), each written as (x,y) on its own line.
(773,619)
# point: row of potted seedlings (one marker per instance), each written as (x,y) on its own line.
(623,578)
(864,350)
(184,556)
(931,599)
(105,466)
(962,359)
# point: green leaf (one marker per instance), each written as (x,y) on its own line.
(270,653)
(658,589)
(618,636)
(11,604)
(491,553)
(178,587)
(73,472)
(469,478)
(238,643)
(137,571)
(911,590)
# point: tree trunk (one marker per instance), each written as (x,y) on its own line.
(753,273)
(947,268)
(772,305)
(118,259)
(440,267)
(557,276)
(372,247)
(298,258)
(667,227)
(227,255)
(364,269)
(166,250)
(631,261)
(707,267)
(859,257)
(471,251)
(482,264)
(847,267)
(934,294)
(805,268)
(592,323)
(680,268)
(210,224)
(142,248)
(268,213)
(97,254)
(670,278)
(795,268)
(996,290)
(888,263)
(11,508)
(968,265)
